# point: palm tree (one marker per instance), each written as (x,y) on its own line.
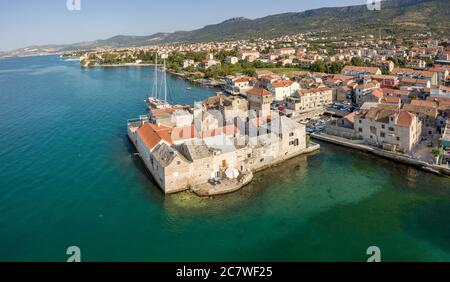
(437,153)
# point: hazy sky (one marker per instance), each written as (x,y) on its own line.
(34,22)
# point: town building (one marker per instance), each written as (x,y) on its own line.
(360,72)
(367,92)
(310,99)
(440,92)
(388,127)
(283,89)
(259,100)
(232,60)
(427,112)
(419,74)
(194,156)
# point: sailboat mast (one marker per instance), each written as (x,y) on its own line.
(156,76)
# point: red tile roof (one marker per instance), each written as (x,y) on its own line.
(282,83)
(405,119)
(259,92)
(152,135)
(388,91)
(372,70)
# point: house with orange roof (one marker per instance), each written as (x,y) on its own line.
(404,95)
(365,92)
(386,81)
(305,100)
(343,127)
(282,89)
(243,83)
(154,144)
(360,72)
(259,100)
(388,127)
(266,80)
(440,92)
(408,82)
(420,74)
(391,101)
(441,72)
(427,111)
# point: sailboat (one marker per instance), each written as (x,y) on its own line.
(155,101)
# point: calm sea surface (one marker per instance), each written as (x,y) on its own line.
(68,177)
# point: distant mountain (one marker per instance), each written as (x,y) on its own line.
(395,16)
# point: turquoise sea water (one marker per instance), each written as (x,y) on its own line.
(68,177)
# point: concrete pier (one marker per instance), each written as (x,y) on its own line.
(397,157)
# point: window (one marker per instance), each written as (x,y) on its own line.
(261,160)
(360,130)
(383,126)
(249,156)
(296,143)
(291,134)
(391,129)
(178,163)
(360,121)
(382,134)
(398,138)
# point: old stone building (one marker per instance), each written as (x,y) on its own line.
(259,100)
(389,127)
(427,112)
(180,158)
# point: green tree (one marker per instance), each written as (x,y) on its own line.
(318,66)
(357,61)
(437,153)
(336,67)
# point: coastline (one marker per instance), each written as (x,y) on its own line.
(198,82)
(120,65)
(396,157)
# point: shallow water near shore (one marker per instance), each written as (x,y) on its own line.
(68,177)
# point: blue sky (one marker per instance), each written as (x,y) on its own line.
(30,22)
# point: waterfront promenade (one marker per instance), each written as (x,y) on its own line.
(397,157)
